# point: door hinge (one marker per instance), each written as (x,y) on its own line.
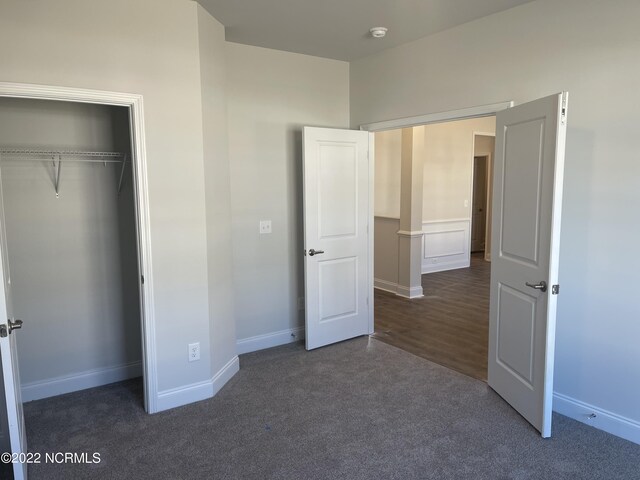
(142,279)
(563,113)
(555,289)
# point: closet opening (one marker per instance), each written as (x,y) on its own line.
(70,245)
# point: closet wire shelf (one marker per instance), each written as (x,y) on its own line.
(59,156)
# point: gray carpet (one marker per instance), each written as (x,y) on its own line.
(357,410)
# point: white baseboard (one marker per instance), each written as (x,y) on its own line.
(79,381)
(441,267)
(225,374)
(401,291)
(604,420)
(380,284)
(274,339)
(177,397)
(409,292)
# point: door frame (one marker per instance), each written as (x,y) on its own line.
(134,103)
(426,119)
(489,155)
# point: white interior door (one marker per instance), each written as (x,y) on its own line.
(338,178)
(17,441)
(527,200)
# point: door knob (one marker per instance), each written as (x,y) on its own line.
(542,286)
(313,252)
(14,325)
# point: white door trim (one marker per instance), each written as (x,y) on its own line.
(438,117)
(139,162)
(370,228)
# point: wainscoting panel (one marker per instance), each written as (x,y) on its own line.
(445,245)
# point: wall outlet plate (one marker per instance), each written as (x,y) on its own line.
(194,351)
(265,226)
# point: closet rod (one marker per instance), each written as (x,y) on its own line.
(59,156)
(69,154)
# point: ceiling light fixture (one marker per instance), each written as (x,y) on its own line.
(378,32)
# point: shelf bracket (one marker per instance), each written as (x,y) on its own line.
(57,167)
(124,164)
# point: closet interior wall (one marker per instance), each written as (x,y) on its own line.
(73,259)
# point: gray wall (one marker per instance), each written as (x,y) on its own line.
(149,48)
(272,95)
(385,252)
(72,260)
(589,48)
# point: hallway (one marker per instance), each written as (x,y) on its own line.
(449,325)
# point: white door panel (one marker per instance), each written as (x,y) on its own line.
(9,359)
(336,217)
(527,200)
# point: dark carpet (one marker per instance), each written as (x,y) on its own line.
(357,410)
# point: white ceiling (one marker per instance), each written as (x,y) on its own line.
(340,28)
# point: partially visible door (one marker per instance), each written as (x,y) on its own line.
(527,201)
(478,205)
(9,358)
(338,271)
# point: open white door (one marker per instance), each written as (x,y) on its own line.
(338,248)
(9,357)
(527,201)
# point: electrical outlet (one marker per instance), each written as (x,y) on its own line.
(265,226)
(194,352)
(466,203)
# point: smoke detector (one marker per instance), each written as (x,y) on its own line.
(378,32)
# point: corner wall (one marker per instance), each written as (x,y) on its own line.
(213,74)
(589,48)
(149,48)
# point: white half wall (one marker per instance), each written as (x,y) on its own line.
(589,48)
(271,96)
(445,245)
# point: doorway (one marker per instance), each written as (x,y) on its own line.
(479,205)
(527,202)
(448,324)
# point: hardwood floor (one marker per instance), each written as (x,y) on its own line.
(449,325)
